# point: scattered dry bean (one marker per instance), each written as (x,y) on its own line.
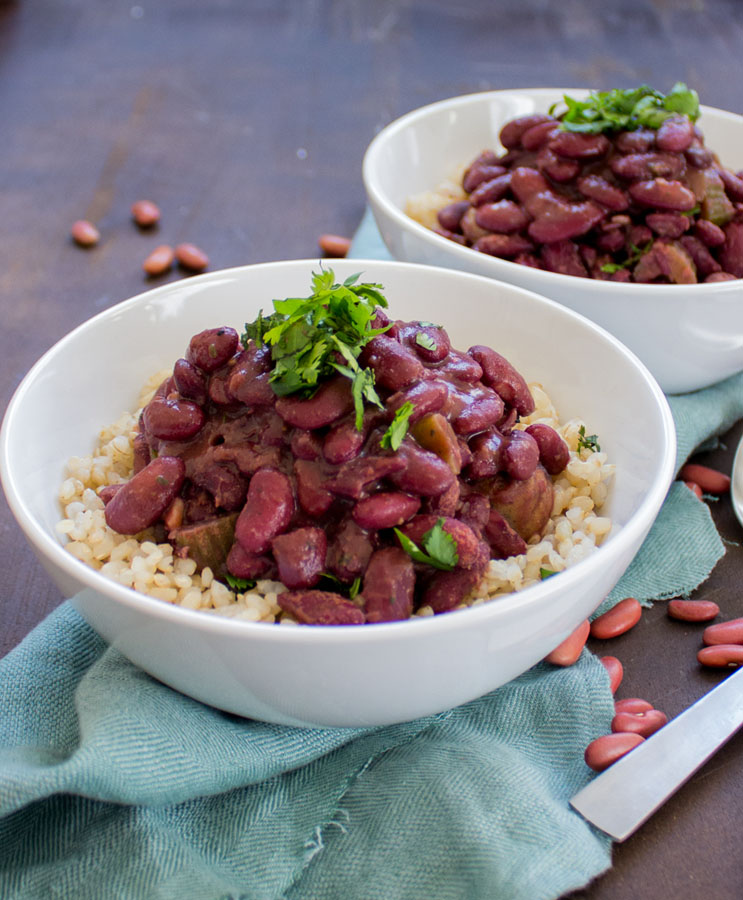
(711,481)
(694,488)
(730,632)
(159,261)
(619,619)
(85,233)
(145,213)
(721,656)
(693,610)
(608,748)
(632,705)
(191,257)
(334,245)
(615,670)
(567,653)
(645,723)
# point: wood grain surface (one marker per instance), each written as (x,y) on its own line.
(246,122)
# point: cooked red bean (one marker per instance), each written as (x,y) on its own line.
(733,184)
(639,141)
(267,512)
(579,146)
(210,349)
(519,455)
(330,402)
(423,473)
(394,366)
(511,133)
(721,656)
(479,414)
(503,216)
(189,382)
(344,441)
(693,610)
(644,166)
(488,192)
(242,564)
(300,556)
(608,748)
(556,219)
(660,192)
(731,252)
(505,245)
(675,134)
(594,187)
(486,457)
(711,481)
(349,550)
(445,590)
(708,233)
(538,135)
(450,216)
(465,538)
(312,492)
(500,375)
(426,397)
(618,620)
(615,669)
(477,174)
(632,705)
(320,608)
(567,653)
(668,224)
(249,381)
(388,586)
(644,723)
(730,632)
(172,418)
(385,510)
(352,478)
(504,540)
(141,501)
(554,453)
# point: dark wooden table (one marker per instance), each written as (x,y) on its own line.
(246,121)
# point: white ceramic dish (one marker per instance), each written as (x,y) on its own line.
(348,675)
(689,336)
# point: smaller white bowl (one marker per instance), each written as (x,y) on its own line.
(689,336)
(337,675)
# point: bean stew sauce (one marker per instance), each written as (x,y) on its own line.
(365,511)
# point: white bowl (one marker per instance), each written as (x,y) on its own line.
(689,336)
(342,675)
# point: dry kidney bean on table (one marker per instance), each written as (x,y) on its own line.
(567,653)
(693,610)
(615,670)
(607,749)
(84,233)
(159,260)
(145,213)
(730,632)
(618,620)
(711,481)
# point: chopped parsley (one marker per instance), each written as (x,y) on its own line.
(439,547)
(354,588)
(426,341)
(308,334)
(627,110)
(239,584)
(635,254)
(546,573)
(588,442)
(393,437)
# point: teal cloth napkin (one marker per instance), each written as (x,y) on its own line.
(113,785)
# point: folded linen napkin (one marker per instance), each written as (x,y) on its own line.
(113,785)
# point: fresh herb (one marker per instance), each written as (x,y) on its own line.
(426,341)
(307,334)
(393,437)
(355,588)
(440,547)
(546,573)
(162,481)
(635,254)
(239,584)
(588,442)
(626,110)
(428,324)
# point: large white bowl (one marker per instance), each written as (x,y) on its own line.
(347,675)
(689,336)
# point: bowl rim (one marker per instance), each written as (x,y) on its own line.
(379,199)
(47,547)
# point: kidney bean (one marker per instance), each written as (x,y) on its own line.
(479,414)
(486,454)
(554,453)
(639,235)
(490,191)
(670,224)
(501,376)
(594,187)
(557,168)
(720,276)
(519,455)
(503,539)
(445,504)
(575,145)
(662,193)
(249,381)
(478,174)
(385,510)
(528,259)
(474,510)
(557,219)
(643,723)
(565,257)
(106,493)
(300,556)
(699,157)
(470,229)
(312,492)
(423,473)
(394,366)
(503,245)
(142,454)
(330,402)
(141,501)
(84,233)
(320,608)
(567,653)
(223,482)
(242,564)
(730,632)
(607,749)
(615,669)
(733,184)
(721,656)
(445,590)
(450,217)
(538,135)
(430,342)
(451,236)
(344,441)
(389,582)
(189,382)
(619,619)
(731,252)
(675,134)
(267,512)
(693,610)
(159,260)
(145,213)
(349,550)
(638,141)
(191,257)
(633,705)
(504,216)
(352,477)
(711,481)
(465,538)
(669,260)
(172,419)
(334,245)
(709,234)
(433,432)
(694,488)
(705,263)
(210,349)
(512,132)
(644,166)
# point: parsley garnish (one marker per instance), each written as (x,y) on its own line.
(588,442)
(626,110)
(238,584)
(635,254)
(440,547)
(426,341)
(546,573)
(354,588)
(306,335)
(393,437)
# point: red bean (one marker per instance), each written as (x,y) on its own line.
(704,261)
(565,257)
(511,132)
(389,582)
(504,216)
(141,501)
(503,245)
(330,402)
(242,564)
(643,723)
(84,233)
(731,253)
(191,257)
(721,656)
(608,748)
(490,191)
(719,276)
(249,380)
(527,183)
(349,550)
(385,510)
(643,166)
(567,653)
(462,367)
(145,213)
(450,217)
(574,145)
(486,454)
(210,349)
(639,141)
(465,538)
(353,477)
(159,260)
(668,224)
(711,481)
(730,632)
(675,134)
(344,441)
(479,173)
(694,488)
(554,453)
(555,167)
(618,620)
(312,492)
(423,474)
(267,512)
(172,418)
(594,187)
(335,245)
(479,414)
(394,366)
(447,589)
(733,184)
(556,219)
(632,705)
(615,669)
(519,455)
(430,342)
(708,233)
(664,194)
(503,378)
(538,135)
(426,397)
(693,610)
(470,229)
(300,556)
(320,608)
(504,540)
